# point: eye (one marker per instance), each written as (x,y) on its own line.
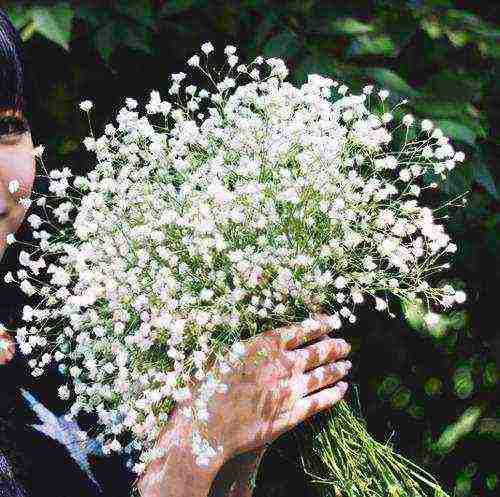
(12,125)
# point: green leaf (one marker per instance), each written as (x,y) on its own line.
(138,37)
(141,11)
(388,386)
(463,382)
(351,26)
(463,486)
(54,22)
(401,398)
(484,177)
(371,45)
(457,131)
(19,15)
(459,180)
(282,45)
(433,386)
(457,430)
(106,40)
(392,81)
(491,481)
(174,7)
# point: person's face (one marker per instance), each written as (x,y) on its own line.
(16,163)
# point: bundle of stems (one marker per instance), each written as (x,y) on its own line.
(343,460)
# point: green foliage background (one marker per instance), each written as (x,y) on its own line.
(433,393)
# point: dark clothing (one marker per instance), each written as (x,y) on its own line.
(30,460)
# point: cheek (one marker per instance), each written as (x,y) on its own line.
(18,166)
(14,165)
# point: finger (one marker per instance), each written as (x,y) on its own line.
(320,353)
(297,334)
(308,406)
(323,376)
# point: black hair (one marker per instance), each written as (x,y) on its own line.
(12,86)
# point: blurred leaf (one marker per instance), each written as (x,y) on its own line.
(388,386)
(457,430)
(139,10)
(459,180)
(484,177)
(401,398)
(416,411)
(106,40)
(392,81)
(414,314)
(19,15)
(282,45)
(174,7)
(433,386)
(262,33)
(351,26)
(491,481)
(463,383)
(463,485)
(54,22)
(457,131)
(490,375)
(471,469)
(371,45)
(138,37)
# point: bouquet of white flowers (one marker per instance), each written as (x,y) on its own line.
(219,216)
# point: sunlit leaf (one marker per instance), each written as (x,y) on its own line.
(19,15)
(457,430)
(491,481)
(351,26)
(392,81)
(463,383)
(371,45)
(457,131)
(54,22)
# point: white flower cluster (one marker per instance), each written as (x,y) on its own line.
(250,206)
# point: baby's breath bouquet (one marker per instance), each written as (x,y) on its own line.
(216,216)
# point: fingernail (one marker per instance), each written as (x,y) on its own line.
(347,365)
(344,346)
(342,386)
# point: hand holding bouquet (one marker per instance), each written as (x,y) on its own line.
(222,216)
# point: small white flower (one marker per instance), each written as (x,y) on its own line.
(194,61)
(431,319)
(426,125)
(408,120)
(14,186)
(131,103)
(10,239)
(86,105)
(230,50)
(38,151)
(207,48)
(63,392)
(383,94)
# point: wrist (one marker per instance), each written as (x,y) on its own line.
(238,475)
(178,472)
